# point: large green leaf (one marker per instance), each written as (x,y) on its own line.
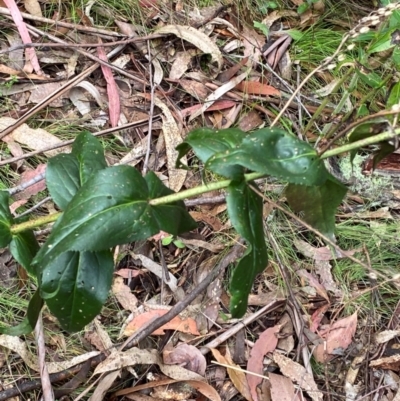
(24,247)
(66,173)
(269,151)
(28,324)
(6,219)
(317,204)
(76,285)
(274,152)
(207,142)
(245,213)
(111,208)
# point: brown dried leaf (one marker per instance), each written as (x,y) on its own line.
(237,376)
(33,7)
(187,356)
(267,342)
(313,281)
(187,325)
(390,362)
(337,336)
(196,89)
(250,121)
(322,253)
(124,295)
(297,373)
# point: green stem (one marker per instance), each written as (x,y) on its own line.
(17,228)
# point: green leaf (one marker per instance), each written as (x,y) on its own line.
(394,96)
(317,204)
(6,219)
(372,79)
(23,248)
(382,43)
(302,8)
(76,285)
(274,152)
(32,315)
(62,178)
(396,57)
(90,154)
(245,213)
(262,27)
(112,208)
(172,218)
(66,173)
(207,142)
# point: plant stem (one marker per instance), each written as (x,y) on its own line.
(384,136)
(41,221)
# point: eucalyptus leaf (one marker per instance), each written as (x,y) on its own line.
(76,285)
(112,208)
(24,247)
(245,211)
(28,324)
(317,204)
(6,219)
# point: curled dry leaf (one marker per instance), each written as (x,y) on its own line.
(297,373)
(237,376)
(187,356)
(197,38)
(267,342)
(183,325)
(337,336)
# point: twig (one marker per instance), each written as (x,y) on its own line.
(71,141)
(152,89)
(80,45)
(54,377)
(33,208)
(75,27)
(239,326)
(48,394)
(27,184)
(146,331)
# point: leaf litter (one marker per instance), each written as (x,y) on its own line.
(187,93)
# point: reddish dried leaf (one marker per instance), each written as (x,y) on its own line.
(317,317)
(313,281)
(337,336)
(282,388)
(128,273)
(114,105)
(250,121)
(218,105)
(266,343)
(257,88)
(187,356)
(226,75)
(35,188)
(23,31)
(15,205)
(124,295)
(187,325)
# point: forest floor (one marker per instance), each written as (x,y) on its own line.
(318,325)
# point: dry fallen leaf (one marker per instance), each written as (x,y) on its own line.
(187,356)
(297,373)
(197,38)
(124,295)
(35,139)
(257,88)
(187,325)
(237,376)
(33,8)
(29,175)
(313,281)
(267,342)
(282,388)
(337,336)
